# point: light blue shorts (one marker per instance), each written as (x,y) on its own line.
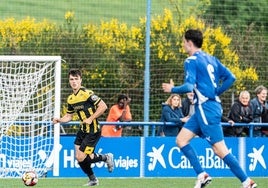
(206,121)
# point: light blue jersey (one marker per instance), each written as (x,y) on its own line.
(204,73)
(208,78)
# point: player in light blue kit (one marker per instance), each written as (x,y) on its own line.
(208,78)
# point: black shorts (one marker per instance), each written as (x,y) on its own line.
(87,141)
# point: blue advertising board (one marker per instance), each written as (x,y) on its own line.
(160,157)
(126,158)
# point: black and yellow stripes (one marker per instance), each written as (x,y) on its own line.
(84,103)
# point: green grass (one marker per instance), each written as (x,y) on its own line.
(131,183)
(85,10)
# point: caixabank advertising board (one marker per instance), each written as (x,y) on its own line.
(160,157)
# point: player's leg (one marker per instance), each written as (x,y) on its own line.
(222,151)
(216,139)
(82,155)
(108,158)
(84,162)
(189,131)
(183,141)
(205,117)
(88,146)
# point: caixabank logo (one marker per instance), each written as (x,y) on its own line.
(166,159)
(257,163)
(256,158)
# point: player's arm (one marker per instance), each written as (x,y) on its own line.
(227,78)
(227,83)
(101,108)
(184,88)
(188,86)
(66,118)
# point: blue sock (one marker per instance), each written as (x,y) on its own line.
(233,164)
(191,155)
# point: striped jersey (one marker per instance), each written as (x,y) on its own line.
(84,103)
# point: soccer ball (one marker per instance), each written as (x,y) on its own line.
(30,178)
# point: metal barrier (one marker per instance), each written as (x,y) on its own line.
(155,124)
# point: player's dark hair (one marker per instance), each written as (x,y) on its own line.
(75,72)
(195,36)
(120,97)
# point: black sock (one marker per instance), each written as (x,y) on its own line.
(98,158)
(92,177)
(86,166)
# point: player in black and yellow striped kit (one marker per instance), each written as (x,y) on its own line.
(88,107)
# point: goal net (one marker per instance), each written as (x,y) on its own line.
(29,99)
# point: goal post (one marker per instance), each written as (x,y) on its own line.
(29,99)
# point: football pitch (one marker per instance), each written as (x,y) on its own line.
(130,183)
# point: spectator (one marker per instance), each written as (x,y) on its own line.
(188,104)
(119,112)
(172,112)
(226,119)
(240,112)
(259,108)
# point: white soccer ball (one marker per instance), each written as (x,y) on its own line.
(30,178)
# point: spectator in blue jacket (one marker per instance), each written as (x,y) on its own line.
(260,110)
(172,112)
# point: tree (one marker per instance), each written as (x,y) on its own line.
(238,13)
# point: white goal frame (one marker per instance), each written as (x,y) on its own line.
(54,157)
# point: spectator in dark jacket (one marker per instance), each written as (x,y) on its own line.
(188,104)
(240,112)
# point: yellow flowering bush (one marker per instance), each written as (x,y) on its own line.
(13,33)
(215,43)
(114,37)
(112,54)
(163,36)
(118,42)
